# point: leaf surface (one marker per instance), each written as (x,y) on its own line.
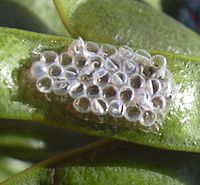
(39,16)
(18,101)
(128,22)
(46,12)
(109,163)
(10,166)
(34,142)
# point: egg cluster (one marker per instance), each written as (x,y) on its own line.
(104,80)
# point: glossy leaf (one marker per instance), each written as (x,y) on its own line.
(10,166)
(18,101)
(102,163)
(155,3)
(39,16)
(35,142)
(46,12)
(15,47)
(129,22)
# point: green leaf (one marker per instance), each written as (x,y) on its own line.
(47,14)
(106,162)
(10,167)
(17,46)
(129,22)
(35,142)
(18,101)
(155,3)
(39,16)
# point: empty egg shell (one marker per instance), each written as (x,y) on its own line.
(76,89)
(92,47)
(119,78)
(126,94)
(44,84)
(99,106)
(132,113)
(49,57)
(65,59)
(38,69)
(108,50)
(82,104)
(116,108)
(55,70)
